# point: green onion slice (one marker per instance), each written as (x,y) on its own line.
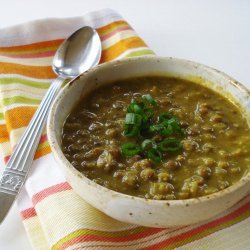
(149,113)
(141,104)
(131,130)
(130,149)
(175,125)
(167,131)
(150,99)
(133,119)
(170,145)
(135,108)
(164,116)
(161,129)
(154,155)
(148,144)
(156,128)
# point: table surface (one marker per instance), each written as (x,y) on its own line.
(214,32)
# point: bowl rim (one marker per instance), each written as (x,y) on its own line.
(61,159)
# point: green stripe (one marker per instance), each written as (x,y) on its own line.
(86,232)
(19,99)
(140,53)
(30,83)
(32,51)
(1,116)
(43,145)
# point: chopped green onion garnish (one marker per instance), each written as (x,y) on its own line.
(140,123)
(154,155)
(150,99)
(130,149)
(170,145)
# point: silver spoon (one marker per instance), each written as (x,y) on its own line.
(80,52)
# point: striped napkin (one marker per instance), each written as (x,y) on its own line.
(54,216)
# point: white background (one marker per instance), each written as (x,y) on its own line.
(212,32)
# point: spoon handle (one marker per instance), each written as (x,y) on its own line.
(18,166)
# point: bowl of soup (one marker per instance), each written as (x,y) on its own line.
(154,141)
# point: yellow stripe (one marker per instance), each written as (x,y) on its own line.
(35,233)
(16,134)
(18,90)
(110,27)
(5,148)
(114,51)
(117,38)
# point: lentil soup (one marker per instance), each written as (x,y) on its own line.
(158,138)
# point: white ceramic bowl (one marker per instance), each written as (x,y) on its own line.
(152,213)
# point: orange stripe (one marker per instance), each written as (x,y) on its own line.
(49,191)
(41,152)
(42,72)
(32,46)
(4,135)
(120,47)
(105,29)
(19,117)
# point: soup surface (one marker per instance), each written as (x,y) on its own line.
(191,142)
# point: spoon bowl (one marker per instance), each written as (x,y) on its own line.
(80,52)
